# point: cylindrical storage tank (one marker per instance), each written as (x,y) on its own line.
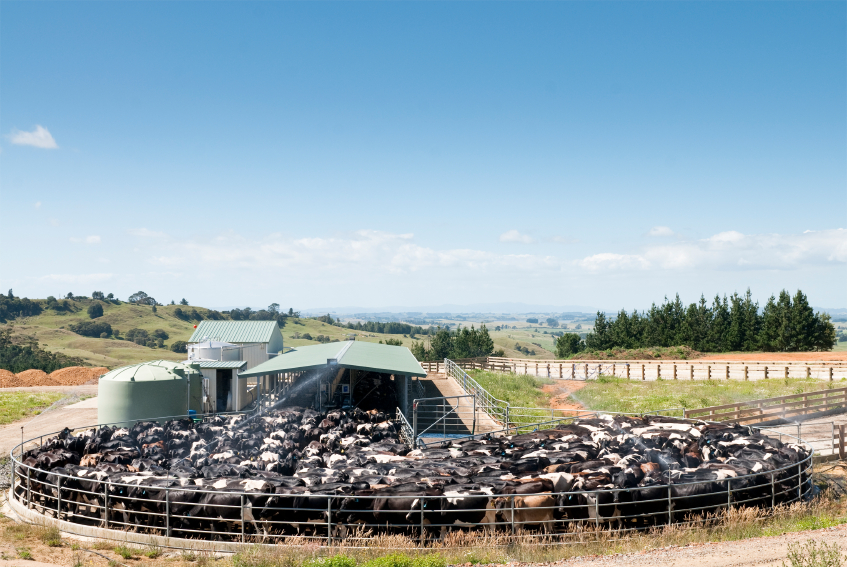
(195,379)
(143,391)
(211,350)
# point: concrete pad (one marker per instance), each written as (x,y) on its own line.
(84,404)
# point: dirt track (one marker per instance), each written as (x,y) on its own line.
(777,356)
(743,553)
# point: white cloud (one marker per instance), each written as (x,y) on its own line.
(515,236)
(660,231)
(93,239)
(609,261)
(38,204)
(38,138)
(733,250)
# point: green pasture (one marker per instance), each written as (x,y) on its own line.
(634,396)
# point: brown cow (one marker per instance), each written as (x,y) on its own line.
(527,511)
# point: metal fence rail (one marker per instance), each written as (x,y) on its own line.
(498,410)
(170,508)
(443,417)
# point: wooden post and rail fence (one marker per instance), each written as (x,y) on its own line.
(570,369)
(772,409)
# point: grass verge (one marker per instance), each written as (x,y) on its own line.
(634,396)
(519,390)
(19,405)
(480,548)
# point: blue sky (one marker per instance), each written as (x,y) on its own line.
(320,154)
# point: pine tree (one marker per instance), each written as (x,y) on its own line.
(599,339)
(803,323)
(769,335)
(824,334)
(735,333)
(787,337)
(719,328)
(752,322)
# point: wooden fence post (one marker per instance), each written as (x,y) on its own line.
(727,371)
(841,441)
(642,372)
(691,368)
(766,372)
(674,371)
(746,377)
(586,371)
(708,372)
(786,373)
(627,370)
(658,371)
(830,373)
(808,372)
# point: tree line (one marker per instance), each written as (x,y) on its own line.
(462,343)
(736,323)
(389,328)
(22,353)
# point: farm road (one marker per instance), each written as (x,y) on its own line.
(743,553)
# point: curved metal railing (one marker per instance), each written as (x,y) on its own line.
(171,510)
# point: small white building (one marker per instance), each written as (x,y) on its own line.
(223,350)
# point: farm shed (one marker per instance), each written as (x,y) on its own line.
(223,350)
(337,367)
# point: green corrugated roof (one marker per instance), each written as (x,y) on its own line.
(219,363)
(359,355)
(235,331)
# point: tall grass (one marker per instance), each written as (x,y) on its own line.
(18,405)
(518,389)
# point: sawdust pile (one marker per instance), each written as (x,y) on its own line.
(70,376)
(77,375)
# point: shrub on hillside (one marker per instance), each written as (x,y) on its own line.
(393,342)
(91,328)
(138,336)
(95,310)
(161,334)
(568,345)
(141,298)
(307,336)
(179,346)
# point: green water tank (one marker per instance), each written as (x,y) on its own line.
(145,391)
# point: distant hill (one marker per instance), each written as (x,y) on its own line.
(52,330)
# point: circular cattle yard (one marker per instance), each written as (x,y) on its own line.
(342,475)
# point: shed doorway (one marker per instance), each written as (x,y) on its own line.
(223,389)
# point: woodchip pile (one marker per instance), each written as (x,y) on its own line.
(71,376)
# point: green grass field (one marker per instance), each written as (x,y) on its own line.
(19,405)
(519,390)
(631,396)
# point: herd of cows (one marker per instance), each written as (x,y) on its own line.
(298,471)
